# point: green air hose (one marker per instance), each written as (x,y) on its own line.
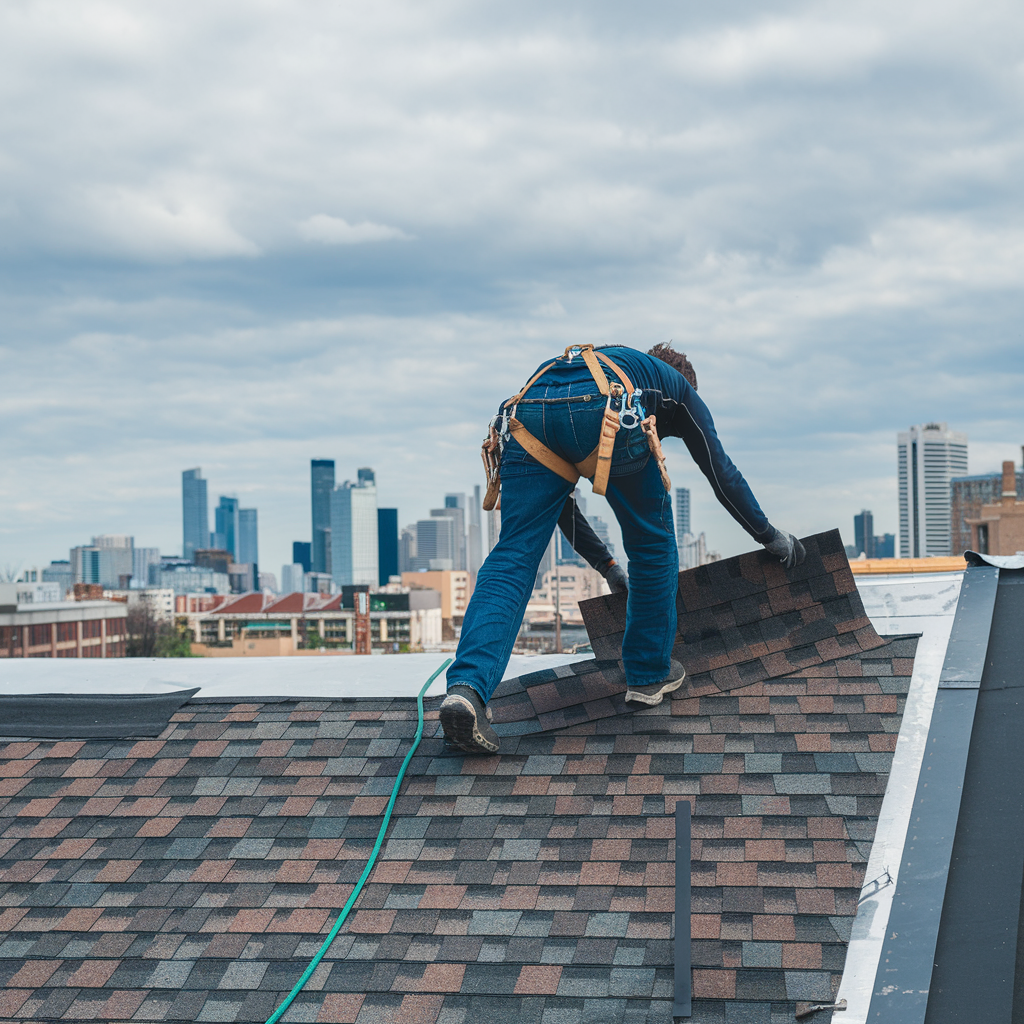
(307,974)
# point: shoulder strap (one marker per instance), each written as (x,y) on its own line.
(626,382)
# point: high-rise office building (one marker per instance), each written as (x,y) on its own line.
(248,536)
(387,544)
(435,543)
(301,554)
(142,559)
(682,512)
(226,528)
(474,539)
(366,477)
(194,512)
(929,456)
(107,561)
(864,533)
(455,509)
(322,481)
(407,548)
(353,537)
(248,543)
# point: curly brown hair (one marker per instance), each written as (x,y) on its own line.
(677,360)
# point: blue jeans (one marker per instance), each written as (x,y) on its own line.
(568,420)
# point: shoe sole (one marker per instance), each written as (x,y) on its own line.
(461,727)
(653,699)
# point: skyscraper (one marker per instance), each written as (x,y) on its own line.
(194,512)
(929,457)
(248,536)
(864,533)
(226,529)
(248,543)
(142,559)
(682,513)
(455,509)
(435,543)
(322,480)
(387,544)
(353,533)
(301,554)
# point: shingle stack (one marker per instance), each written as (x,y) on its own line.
(188,878)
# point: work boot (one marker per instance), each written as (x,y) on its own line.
(654,693)
(467,722)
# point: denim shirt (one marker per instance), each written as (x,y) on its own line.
(680,413)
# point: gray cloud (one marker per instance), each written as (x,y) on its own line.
(244,235)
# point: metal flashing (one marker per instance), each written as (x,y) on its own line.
(903,976)
(999,561)
(968,643)
(683,992)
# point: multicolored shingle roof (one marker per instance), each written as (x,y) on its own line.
(190,878)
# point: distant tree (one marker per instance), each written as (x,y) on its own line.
(152,637)
(175,641)
(143,631)
(9,573)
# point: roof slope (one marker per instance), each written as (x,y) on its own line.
(188,878)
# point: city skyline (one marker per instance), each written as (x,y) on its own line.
(188,481)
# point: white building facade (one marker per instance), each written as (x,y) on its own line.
(928,457)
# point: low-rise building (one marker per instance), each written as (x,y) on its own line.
(161,602)
(999,528)
(452,584)
(61,629)
(300,623)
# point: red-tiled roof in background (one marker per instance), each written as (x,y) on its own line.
(247,604)
(290,604)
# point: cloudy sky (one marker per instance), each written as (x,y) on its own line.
(243,235)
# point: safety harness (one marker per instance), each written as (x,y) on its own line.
(597,465)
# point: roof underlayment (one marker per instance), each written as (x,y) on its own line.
(191,877)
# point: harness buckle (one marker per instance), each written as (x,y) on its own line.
(632,417)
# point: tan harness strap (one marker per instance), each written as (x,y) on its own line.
(529,384)
(544,455)
(609,428)
(626,382)
(595,369)
(597,465)
(588,467)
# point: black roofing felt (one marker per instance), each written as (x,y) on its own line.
(191,877)
(88,716)
(978,954)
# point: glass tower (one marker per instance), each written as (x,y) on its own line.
(322,480)
(194,512)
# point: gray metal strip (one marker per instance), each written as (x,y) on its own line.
(968,643)
(903,977)
(681,1006)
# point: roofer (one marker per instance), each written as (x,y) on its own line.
(597,413)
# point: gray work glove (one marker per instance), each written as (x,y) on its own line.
(617,579)
(789,551)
